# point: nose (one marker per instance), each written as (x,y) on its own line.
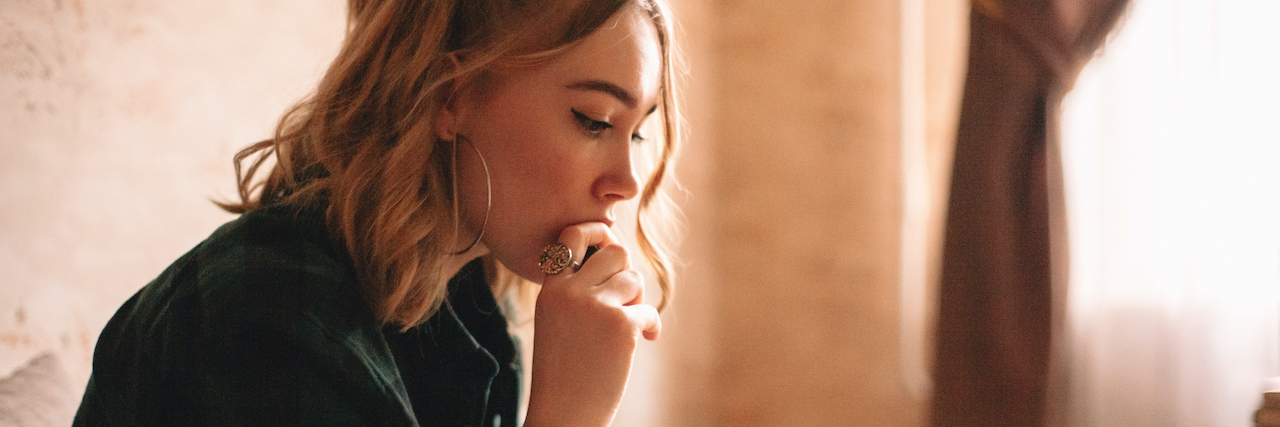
(618,182)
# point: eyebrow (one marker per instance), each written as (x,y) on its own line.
(618,92)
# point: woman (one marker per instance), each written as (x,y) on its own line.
(450,144)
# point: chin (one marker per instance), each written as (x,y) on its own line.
(527,270)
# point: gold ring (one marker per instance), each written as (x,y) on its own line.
(555,257)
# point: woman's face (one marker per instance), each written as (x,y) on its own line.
(560,139)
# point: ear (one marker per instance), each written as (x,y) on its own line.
(449,116)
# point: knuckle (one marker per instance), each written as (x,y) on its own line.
(630,279)
(616,253)
(613,237)
(620,324)
(571,234)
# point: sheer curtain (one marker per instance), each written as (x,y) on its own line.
(1171,150)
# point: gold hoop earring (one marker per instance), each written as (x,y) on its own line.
(488,189)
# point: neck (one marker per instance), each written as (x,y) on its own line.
(454,263)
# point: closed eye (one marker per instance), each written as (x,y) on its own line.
(592,126)
(595,127)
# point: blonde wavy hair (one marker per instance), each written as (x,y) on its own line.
(357,145)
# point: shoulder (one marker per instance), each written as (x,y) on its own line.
(272,263)
(272,269)
(272,256)
(264,309)
(272,242)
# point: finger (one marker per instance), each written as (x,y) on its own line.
(576,238)
(606,262)
(623,288)
(645,316)
(638,298)
(579,236)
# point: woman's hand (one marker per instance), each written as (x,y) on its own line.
(586,327)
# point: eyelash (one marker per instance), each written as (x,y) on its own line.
(595,127)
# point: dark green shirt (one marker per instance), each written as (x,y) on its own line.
(263,324)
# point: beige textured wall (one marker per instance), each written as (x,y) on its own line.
(791,311)
(118,120)
(809,215)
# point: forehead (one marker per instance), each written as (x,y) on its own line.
(624,51)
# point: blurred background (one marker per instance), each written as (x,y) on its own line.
(814,183)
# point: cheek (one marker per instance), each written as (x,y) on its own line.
(540,179)
(541,162)
(533,193)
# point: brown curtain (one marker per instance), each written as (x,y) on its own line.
(999,299)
